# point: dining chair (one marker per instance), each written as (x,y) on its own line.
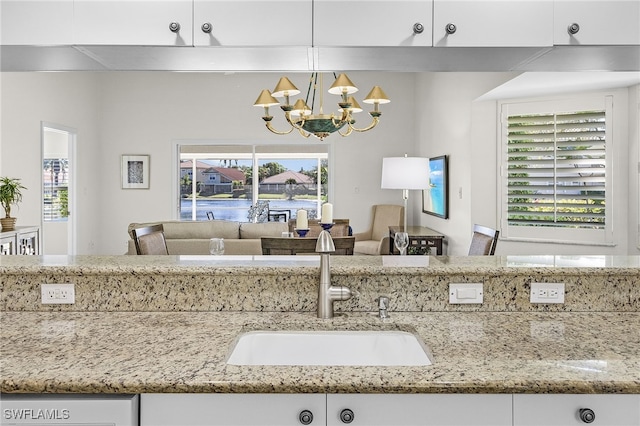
(293,246)
(484,241)
(150,240)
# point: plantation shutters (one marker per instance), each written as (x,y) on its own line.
(555,168)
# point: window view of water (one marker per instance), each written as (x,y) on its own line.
(237,209)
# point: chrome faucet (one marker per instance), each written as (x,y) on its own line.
(327,293)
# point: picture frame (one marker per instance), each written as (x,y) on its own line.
(135,172)
(435,200)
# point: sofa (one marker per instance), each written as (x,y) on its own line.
(188,237)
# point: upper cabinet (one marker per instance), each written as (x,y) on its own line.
(372,23)
(252,22)
(133,22)
(46,22)
(596,22)
(492,23)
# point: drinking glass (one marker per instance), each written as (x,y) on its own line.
(401,241)
(216,246)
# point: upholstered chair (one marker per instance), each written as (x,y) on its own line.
(375,240)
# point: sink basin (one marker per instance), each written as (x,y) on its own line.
(356,348)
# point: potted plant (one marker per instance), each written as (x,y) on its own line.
(9,194)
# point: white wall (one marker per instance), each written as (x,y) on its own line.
(445,126)
(144,113)
(69,99)
(451,121)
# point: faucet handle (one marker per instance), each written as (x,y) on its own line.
(383,305)
(383,302)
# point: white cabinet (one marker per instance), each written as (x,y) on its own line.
(232,409)
(372,23)
(252,22)
(596,22)
(565,410)
(419,409)
(133,22)
(492,23)
(43,22)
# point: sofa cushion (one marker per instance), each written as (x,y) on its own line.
(249,230)
(179,230)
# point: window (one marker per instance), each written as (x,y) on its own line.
(556,170)
(228,178)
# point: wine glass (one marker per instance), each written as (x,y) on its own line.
(216,246)
(401,240)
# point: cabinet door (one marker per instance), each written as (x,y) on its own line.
(600,22)
(423,409)
(45,22)
(231,409)
(492,23)
(252,22)
(564,410)
(372,23)
(133,22)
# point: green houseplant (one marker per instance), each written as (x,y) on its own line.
(10,193)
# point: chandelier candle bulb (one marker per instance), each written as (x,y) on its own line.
(327,213)
(301,220)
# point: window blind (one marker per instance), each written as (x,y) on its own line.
(556,170)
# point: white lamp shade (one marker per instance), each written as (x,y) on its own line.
(405,173)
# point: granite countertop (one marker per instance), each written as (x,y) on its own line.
(472,352)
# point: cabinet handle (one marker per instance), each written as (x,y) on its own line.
(207,27)
(573,28)
(587,415)
(450,28)
(174,27)
(418,28)
(305,417)
(346,416)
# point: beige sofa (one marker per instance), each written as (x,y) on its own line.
(193,237)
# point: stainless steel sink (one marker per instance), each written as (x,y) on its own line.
(354,348)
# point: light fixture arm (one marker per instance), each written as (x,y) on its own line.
(277,132)
(373,124)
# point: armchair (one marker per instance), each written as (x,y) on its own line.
(375,240)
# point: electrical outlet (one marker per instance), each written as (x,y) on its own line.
(547,293)
(58,294)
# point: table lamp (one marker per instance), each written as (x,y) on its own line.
(405,173)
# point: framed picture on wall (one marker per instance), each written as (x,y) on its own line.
(435,200)
(135,172)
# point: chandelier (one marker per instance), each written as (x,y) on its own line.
(309,122)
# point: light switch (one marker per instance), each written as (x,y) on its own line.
(465,293)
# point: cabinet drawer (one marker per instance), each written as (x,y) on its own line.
(610,22)
(564,410)
(515,23)
(371,23)
(36,22)
(133,22)
(252,22)
(230,409)
(422,409)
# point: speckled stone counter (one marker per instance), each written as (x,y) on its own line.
(143,352)
(289,283)
(145,324)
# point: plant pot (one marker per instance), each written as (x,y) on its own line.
(8,223)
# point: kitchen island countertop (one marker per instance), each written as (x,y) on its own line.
(472,352)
